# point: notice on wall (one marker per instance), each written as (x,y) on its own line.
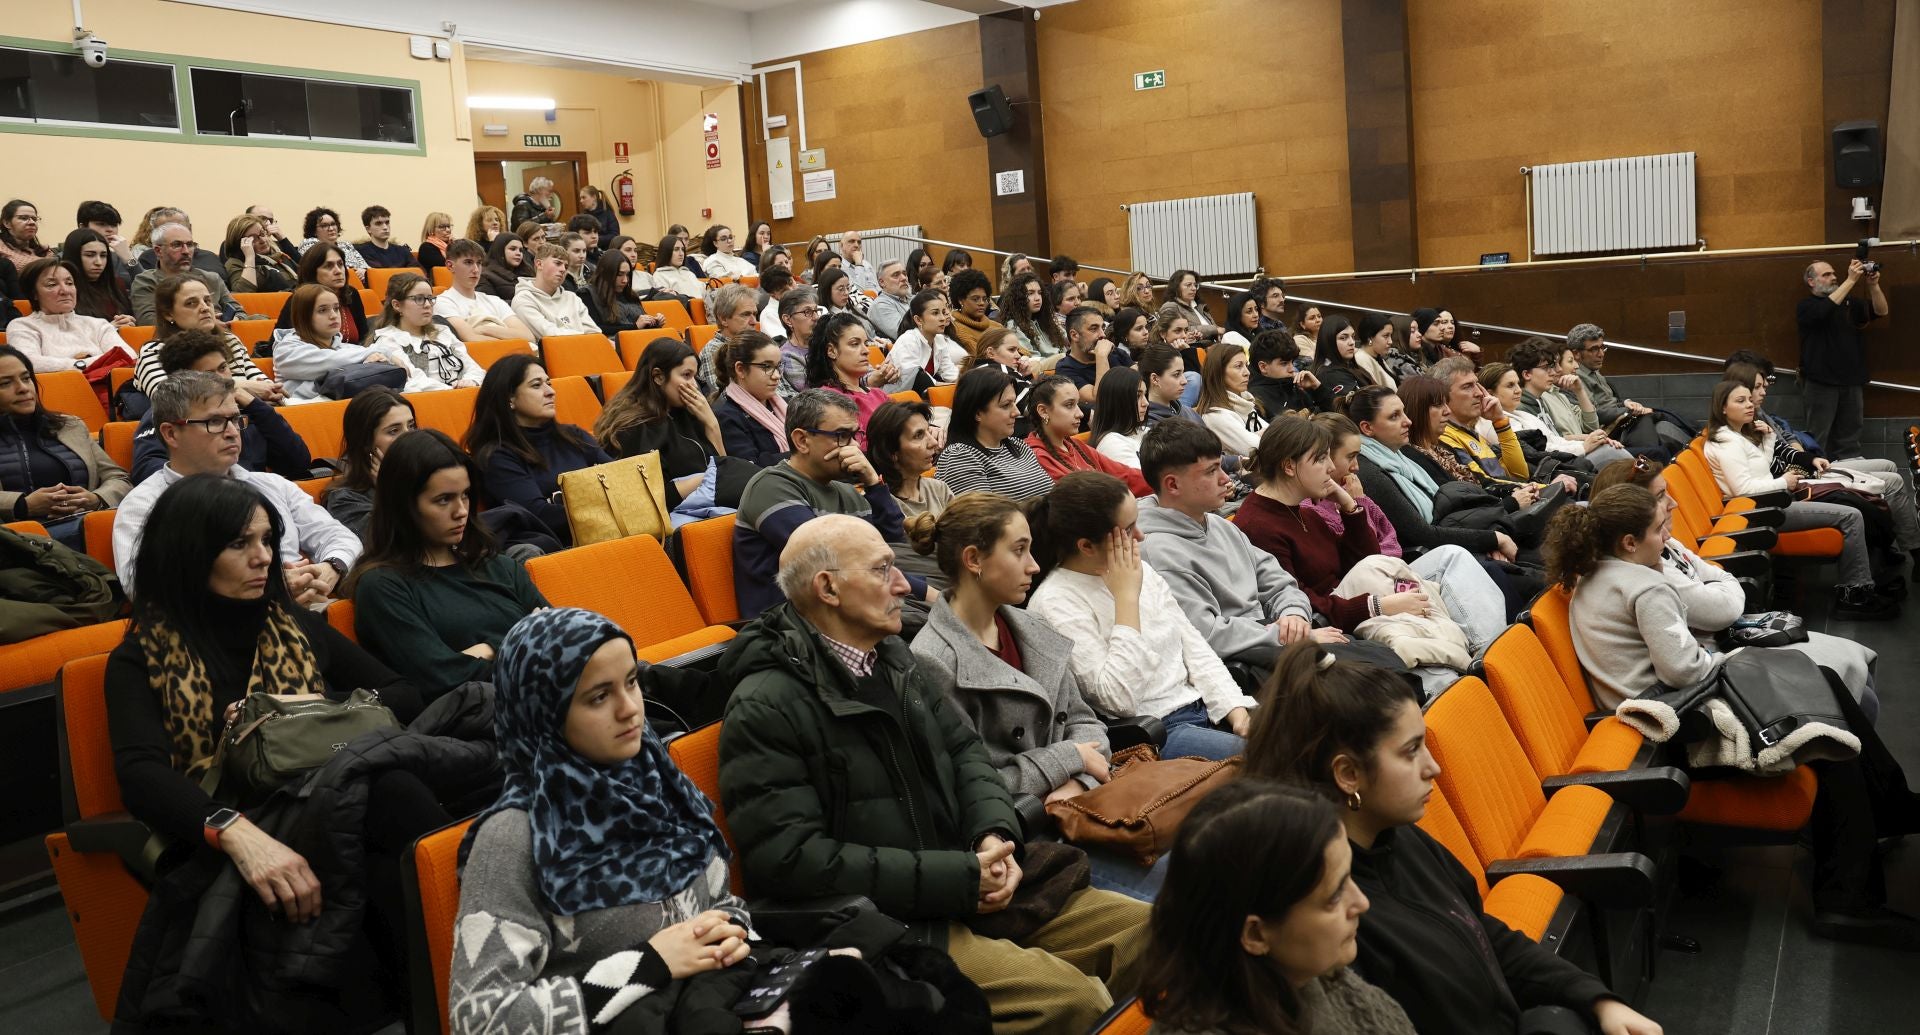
(1013,181)
(818,186)
(780,177)
(540,140)
(622,153)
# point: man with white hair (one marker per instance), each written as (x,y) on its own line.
(173,248)
(202,258)
(1833,357)
(889,311)
(841,774)
(853,262)
(534,204)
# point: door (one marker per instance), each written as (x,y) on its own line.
(566,189)
(500,175)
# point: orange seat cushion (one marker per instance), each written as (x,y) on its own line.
(1810,542)
(678,645)
(1782,803)
(1525,903)
(1611,746)
(1568,825)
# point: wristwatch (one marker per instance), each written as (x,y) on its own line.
(221,819)
(339,566)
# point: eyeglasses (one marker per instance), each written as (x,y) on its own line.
(1598,346)
(882,572)
(424,299)
(840,435)
(219,425)
(768,367)
(326,224)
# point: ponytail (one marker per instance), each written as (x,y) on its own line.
(1317,707)
(1081,506)
(974,519)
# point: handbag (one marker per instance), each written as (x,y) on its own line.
(355,378)
(275,739)
(1766,629)
(1139,809)
(614,500)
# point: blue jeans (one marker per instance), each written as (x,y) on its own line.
(69,532)
(1115,872)
(1191,393)
(1189,733)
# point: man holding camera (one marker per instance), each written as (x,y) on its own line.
(1833,356)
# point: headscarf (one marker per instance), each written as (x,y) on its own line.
(603,836)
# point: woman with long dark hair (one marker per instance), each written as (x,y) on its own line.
(759,239)
(838,361)
(520,448)
(20,234)
(1023,310)
(1243,320)
(673,268)
(612,300)
(1226,407)
(662,411)
(51,469)
(102,293)
(921,346)
(1183,297)
(327,267)
(253,260)
(374,419)
(506,264)
(1339,373)
(322,226)
(311,347)
(1120,416)
(982,454)
(1053,412)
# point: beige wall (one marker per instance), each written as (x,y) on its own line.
(215,182)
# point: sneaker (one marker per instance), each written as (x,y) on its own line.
(1892,587)
(1862,604)
(1873,925)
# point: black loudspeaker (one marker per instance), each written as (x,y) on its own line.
(991,112)
(1856,154)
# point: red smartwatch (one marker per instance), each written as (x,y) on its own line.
(221,819)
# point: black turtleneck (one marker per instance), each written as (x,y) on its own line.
(164,798)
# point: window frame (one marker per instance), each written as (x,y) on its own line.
(189,130)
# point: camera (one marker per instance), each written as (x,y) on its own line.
(93,50)
(1860,252)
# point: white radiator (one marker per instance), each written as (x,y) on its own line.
(876,250)
(1614,204)
(1212,236)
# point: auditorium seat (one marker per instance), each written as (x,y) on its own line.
(450,411)
(319,425)
(377,279)
(1528,903)
(613,381)
(632,582)
(97,528)
(340,616)
(67,391)
(673,312)
(36,661)
(633,343)
(265,363)
(578,355)
(941,395)
(906,397)
(430,886)
(700,334)
(252,333)
(28,528)
(116,437)
(442,279)
(487,353)
(574,402)
(698,755)
(707,549)
(265,304)
(370,299)
(1126,1019)
(136,336)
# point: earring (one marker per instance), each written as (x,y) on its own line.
(1353,801)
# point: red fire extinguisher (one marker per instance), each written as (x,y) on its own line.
(623,193)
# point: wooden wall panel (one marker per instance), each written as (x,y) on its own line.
(893,118)
(1500,84)
(1253,101)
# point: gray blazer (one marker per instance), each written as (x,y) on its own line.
(1029,720)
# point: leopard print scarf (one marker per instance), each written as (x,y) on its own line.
(283,663)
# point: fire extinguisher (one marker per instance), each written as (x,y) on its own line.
(623,193)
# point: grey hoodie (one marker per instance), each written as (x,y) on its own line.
(1231,590)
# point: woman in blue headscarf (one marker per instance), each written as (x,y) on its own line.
(599,877)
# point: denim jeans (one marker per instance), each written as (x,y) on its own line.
(1191,393)
(1474,601)
(1189,733)
(1115,872)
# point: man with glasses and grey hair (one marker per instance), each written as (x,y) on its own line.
(174,250)
(853,261)
(825,474)
(202,258)
(1645,428)
(200,420)
(1833,355)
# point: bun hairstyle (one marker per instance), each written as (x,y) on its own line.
(1317,707)
(1365,404)
(1081,506)
(976,519)
(1579,538)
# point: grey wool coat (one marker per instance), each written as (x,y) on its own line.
(1029,720)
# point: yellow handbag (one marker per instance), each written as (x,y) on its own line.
(615,500)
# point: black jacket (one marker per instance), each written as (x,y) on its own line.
(1337,385)
(680,441)
(745,437)
(1277,396)
(1453,968)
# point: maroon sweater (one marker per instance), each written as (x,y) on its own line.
(1310,552)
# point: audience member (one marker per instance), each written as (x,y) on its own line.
(1131,331)
(327,267)
(888,312)
(920,269)
(565,926)
(1090,353)
(544,304)
(716,254)
(1256,928)
(174,248)
(507,262)
(1016,264)
(838,361)
(373,420)
(1354,733)
(1275,384)
(672,269)
(1063,297)
(254,262)
(474,313)
(1402,487)
(1000,350)
(1539,440)
(484,224)
(1405,359)
(661,410)
(733,313)
(436,236)
(1375,345)
(1833,354)
(970,292)
(408,332)
(922,352)
(759,239)
(903,442)
(200,421)
(1343,467)
(323,226)
(982,452)
(1226,407)
(310,350)
(53,336)
(518,446)
(820,258)
(1243,319)
(956,259)
(1183,298)
(1103,294)
(775,284)
(1022,309)
(751,411)
(1137,291)
(1165,371)
(1337,371)
(267,443)
(1120,417)
(20,234)
(778,256)
(579,271)
(1643,426)
(1437,328)
(612,301)
(272,223)
(51,469)
(798,317)
(834,289)
(1496,457)
(100,278)
(103,219)
(1171,328)
(536,205)
(1053,412)
(183,303)
(1272,293)
(825,693)
(1063,267)
(380,250)
(149,258)
(1306,331)
(1551,391)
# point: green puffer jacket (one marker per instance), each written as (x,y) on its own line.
(826,794)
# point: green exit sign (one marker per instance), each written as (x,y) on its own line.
(541,140)
(1153,80)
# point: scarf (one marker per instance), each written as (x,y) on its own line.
(771,415)
(1247,408)
(1450,463)
(1415,484)
(968,331)
(283,663)
(634,832)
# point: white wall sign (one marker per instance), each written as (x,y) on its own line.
(780,177)
(1013,181)
(818,186)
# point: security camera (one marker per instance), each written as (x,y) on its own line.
(93,50)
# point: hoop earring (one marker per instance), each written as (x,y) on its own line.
(1353,801)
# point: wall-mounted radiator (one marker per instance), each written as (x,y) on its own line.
(1213,236)
(876,250)
(1614,204)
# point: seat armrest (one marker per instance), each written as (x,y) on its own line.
(1034,821)
(1753,500)
(1653,790)
(1751,564)
(1134,730)
(120,834)
(1764,517)
(1751,538)
(1614,879)
(1593,719)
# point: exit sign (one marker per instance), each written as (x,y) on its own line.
(541,140)
(1153,80)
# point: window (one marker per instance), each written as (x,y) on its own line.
(252,104)
(56,88)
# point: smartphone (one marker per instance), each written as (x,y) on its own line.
(1405,585)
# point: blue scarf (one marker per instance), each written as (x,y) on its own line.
(603,836)
(1415,484)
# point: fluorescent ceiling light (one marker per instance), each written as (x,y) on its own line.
(512,103)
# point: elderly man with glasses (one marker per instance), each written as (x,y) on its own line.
(174,250)
(1645,428)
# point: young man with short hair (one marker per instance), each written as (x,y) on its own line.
(1272,293)
(380,249)
(774,283)
(589,230)
(475,315)
(1063,267)
(103,219)
(1276,385)
(543,302)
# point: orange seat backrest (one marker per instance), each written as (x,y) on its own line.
(577,355)
(699,305)
(442,278)
(575,403)
(707,548)
(698,755)
(340,616)
(1130,1021)
(315,487)
(611,383)
(634,343)
(377,278)
(487,353)
(1552,622)
(941,395)
(252,332)
(265,363)
(319,425)
(1535,700)
(36,661)
(370,299)
(700,333)
(906,397)
(673,312)
(1706,488)
(83,706)
(28,528)
(135,337)
(436,873)
(1485,773)
(450,411)
(97,529)
(1443,825)
(264,304)
(647,598)
(67,391)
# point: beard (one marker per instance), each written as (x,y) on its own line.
(1825,290)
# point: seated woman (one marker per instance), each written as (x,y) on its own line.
(53,336)
(1539,440)
(775,255)
(51,469)
(1306,332)
(374,419)
(599,877)
(834,289)
(837,360)
(981,453)
(1022,309)
(1063,297)
(327,267)
(1376,341)
(212,623)
(518,446)
(923,350)
(1255,929)
(183,303)
(751,411)
(1103,294)
(406,329)
(102,292)
(717,257)
(1740,452)
(902,443)
(1225,406)
(1097,590)
(1183,299)
(970,292)
(484,224)
(1166,379)
(1429,415)
(1295,465)
(1243,320)
(1354,734)
(1436,330)
(310,347)
(759,241)
(436,236)
(1053,412)
(506,264)
(612,300)
(671,272)
(1131,331)
(1338,372)
(20,234)
(1000,350)
(1119,417)
(1633,630)
(1343,466)
(1405,359)
(798,317)
(1172,329)
(1009,671)
(433,595)
(322,227)
(254,262)
(662,411)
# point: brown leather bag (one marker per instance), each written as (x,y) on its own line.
(1138,810)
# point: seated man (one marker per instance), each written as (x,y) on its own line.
(267,443)
(175,250)
(1552,392)
(818,477)
(542,301)
(380,249)
(841,776)
(888,313)
(1275,384)
(475,315)
(1470,405)
(1645,427)
(1236,594)
(202,258)
(201,422)
(1089,353)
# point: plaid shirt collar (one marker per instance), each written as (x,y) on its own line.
(858,662)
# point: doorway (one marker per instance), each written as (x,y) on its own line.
(500,175)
